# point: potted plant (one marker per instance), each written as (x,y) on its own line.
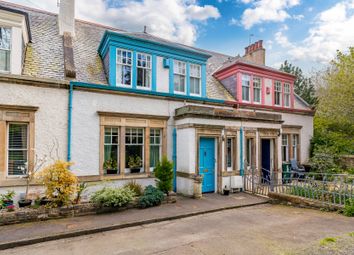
(7,198)
(134,164)
(110,165)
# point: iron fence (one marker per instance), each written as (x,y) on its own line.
(335,189)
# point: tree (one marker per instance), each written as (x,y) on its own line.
(303,86)
(334,119)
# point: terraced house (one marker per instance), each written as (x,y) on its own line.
(105,98)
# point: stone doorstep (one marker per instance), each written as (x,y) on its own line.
(42,213)
(303,202)
(70,234)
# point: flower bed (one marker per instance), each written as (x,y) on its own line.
(21,215)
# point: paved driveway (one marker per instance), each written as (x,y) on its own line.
(263,229)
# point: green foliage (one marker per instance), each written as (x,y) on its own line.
(134,162)
(303,86)
(327,241)
(334,119)
(164,174)
(112,197)
(152,197)
(135,187)
(79,190)
(349,209)
(325,160)
(110,164)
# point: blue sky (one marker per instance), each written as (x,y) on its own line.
(307,33)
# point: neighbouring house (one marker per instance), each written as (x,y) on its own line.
(114,102)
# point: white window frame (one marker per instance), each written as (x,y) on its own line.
(243,76)
(8,149)
(148,68)
(111,143)
(230,168)
(182,72)
(259,88)
(155,144)
(295,144)
(142,144)
(277,89)
(197,75)
(9,50)
(286,146)
(125,64)
(286,94)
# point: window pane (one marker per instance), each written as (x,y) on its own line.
(17,149)
(17,162)
(154,155)
(4,60)
(5,38)
(195,85)
(229,152)
(179,83)
(133,151)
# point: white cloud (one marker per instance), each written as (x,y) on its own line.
(234,22)
(267,11)
(332,30)
(298,17)
(171,19)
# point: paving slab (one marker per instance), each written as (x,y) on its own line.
(35,232)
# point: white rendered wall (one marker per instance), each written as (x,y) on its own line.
(162,76)
(306,131)
(50,118)
(186,150)
(16,50)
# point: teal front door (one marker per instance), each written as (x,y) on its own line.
(207,163)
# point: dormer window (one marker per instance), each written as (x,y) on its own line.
(195,80)
(5,49)
(124,67)
(246,88)
(143,70)
(179,80)
(286,94)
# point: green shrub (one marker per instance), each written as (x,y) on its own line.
(349,208)
(135,187)
(152,197)
(112,197)
(164,174)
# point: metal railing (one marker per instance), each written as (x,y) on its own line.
(334,189)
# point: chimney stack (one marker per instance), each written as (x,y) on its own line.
(66,17)
(255,53)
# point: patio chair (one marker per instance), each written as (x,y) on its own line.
(297,171)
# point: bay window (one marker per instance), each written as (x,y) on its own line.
(285,147)
(195,78)
(179,76)
(245,87)
(134,150)
(124,67)
(277,93)
(143,70)
(256,90)
(5,49)
(111,150)
(286,94)
(17,149)
(155,146)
